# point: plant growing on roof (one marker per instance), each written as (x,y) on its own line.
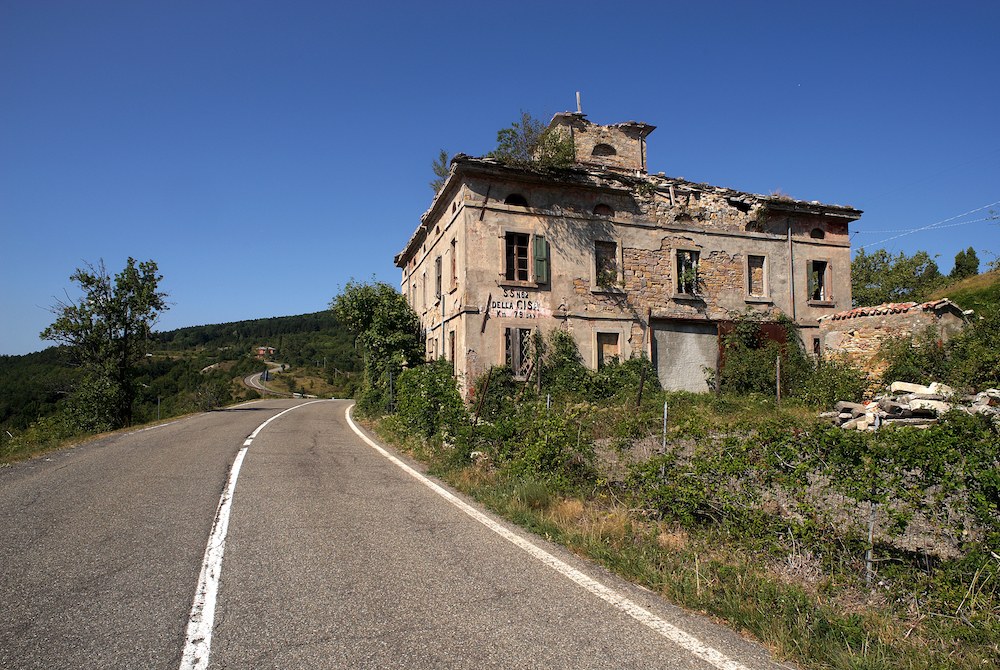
(528,143)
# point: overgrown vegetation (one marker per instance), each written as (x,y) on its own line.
(968,361)
(528,143)
(753,350)
(748,510)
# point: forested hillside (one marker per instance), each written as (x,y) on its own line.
(185,370)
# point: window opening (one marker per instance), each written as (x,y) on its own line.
(437,277)
(817,234)
(818,280)
(453,281)
(603,150)
(755,276)
(606,263)
(516,199)
(607,349)
(602,209)
(517,351)
(687,272)
(516,245)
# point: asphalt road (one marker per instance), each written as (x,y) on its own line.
(335,558)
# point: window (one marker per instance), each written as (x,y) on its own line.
(606,264)
(756,276)
(516,261)
(817,347)
(518,249)
(603,150)
(819,281)
(516,199)
(602,209)
(687,272)
(453,263)
(817,234)
(437,278)
(607,349)
(517,351)
(423,290)
(451,348)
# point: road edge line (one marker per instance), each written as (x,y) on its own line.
(621,602)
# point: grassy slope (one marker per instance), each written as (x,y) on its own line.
(979,293)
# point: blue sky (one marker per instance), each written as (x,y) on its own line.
(263,153)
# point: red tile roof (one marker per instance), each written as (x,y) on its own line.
(891,308)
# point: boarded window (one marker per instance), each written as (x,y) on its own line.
(516,257)
(756,285)
(687,272)
(517,351)
(607,349)
(606,263)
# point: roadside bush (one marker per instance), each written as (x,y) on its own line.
(493,393)
(563,371)
(540,444)
(428,400)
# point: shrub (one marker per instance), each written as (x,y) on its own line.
(428,399)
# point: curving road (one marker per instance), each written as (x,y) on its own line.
(337,554)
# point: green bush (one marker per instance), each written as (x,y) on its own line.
(830,380)
(428,401)
(538,443)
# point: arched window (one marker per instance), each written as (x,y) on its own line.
(603,210)
(516,199)
(817,234)
(604,150)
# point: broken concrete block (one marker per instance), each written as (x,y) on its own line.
(941,389)
(891,407)
(935,406)
(907,387)
(856,409)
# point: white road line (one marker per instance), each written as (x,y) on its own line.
(681,638)
(198,642)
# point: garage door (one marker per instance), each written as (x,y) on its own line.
(682,351)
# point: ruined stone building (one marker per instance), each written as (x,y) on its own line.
(858,334)
(627,262)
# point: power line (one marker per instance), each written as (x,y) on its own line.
(909,230)
(933,225)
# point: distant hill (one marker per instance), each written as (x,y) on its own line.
(980,293)
(306,339)
(187,368)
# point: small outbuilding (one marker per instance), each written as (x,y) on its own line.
(859,333)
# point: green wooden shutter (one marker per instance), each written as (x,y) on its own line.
(541,260)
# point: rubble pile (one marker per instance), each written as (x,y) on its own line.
(907,404)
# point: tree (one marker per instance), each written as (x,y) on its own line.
(440,168)
(966,264)
(387,330)
(529,143)
(881,277)
(107,330)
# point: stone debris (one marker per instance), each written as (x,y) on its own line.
(915,405)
